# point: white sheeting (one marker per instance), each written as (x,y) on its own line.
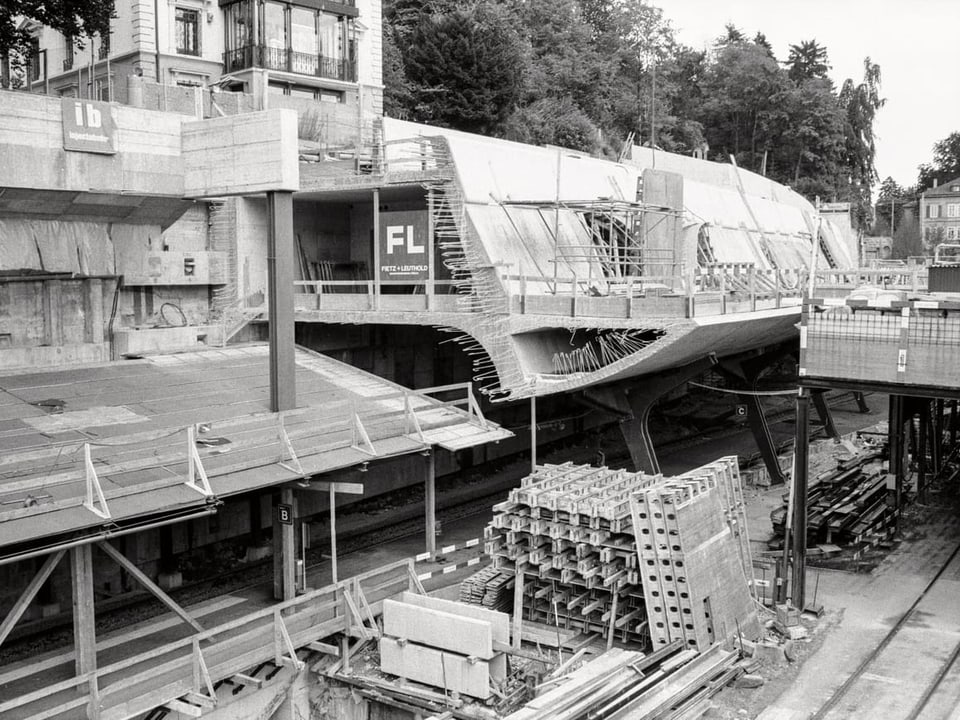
(496,171)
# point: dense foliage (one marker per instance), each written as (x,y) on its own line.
(73,18)
(595,74)
(945,165)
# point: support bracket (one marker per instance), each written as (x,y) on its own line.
(93,487)
(288,456)
(196,475)
(361,440)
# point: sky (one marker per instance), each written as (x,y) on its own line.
(915,42)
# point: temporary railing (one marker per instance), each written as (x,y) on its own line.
(190,668)
(266,438)
(715,289)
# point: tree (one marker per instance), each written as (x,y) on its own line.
(74,19)
(465,67)
(806,61)
(861,102)
(945,165)
(742,108)
(760,40)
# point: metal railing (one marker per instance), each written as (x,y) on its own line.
(715,289)
(192,666)
(289,60)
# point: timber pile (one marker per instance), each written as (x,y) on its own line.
(569,534)
(489,588)
(625,684)
(845,506)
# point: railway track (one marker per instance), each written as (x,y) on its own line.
(926,689)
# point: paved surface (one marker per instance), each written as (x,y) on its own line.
(862,610)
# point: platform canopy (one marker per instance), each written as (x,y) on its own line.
(93,449)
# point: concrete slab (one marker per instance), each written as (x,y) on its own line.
(438,629)
(435,667)
(499,621)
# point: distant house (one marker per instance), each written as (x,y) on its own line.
(940,213)
(325,51)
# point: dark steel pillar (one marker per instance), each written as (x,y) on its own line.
(801,466)
(826,417)
(763,437)
(921,451)
(283,390)
(641,398)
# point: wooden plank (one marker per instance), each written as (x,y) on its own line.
(142,578)
(33,587)
(184,708)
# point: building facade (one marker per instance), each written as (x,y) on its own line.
(940,213)
(315,49)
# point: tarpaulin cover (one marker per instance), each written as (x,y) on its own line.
(56,246)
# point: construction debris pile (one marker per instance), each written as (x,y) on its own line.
(846,505)
(569,538)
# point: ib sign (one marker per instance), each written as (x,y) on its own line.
(403,246)
(88,126)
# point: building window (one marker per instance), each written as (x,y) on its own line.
(67,52)
(933,212)
(951,233)
(188,31)
(104,47)
(36,64)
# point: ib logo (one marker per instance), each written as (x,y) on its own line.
(87,115)
(401,236)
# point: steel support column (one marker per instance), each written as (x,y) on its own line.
(285,546)
(641,398)
(430,501)
(801,466)
(283,391)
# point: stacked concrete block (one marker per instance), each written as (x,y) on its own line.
(693,552)
(444,644)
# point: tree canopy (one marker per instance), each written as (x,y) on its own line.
(945,165)
(594,75)
(72,18)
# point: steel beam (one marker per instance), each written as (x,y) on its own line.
(283,391)
(430,499)
(826,417)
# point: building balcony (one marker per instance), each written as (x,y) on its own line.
(287,60)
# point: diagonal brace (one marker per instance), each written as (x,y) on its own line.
(142,578)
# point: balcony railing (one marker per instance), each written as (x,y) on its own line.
(288,60)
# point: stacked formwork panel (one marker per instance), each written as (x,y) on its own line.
(568,529)
(693,549)
(571,532)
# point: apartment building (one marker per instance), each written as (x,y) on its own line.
(327,51)
(940,213)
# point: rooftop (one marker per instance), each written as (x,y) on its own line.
(117,443)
